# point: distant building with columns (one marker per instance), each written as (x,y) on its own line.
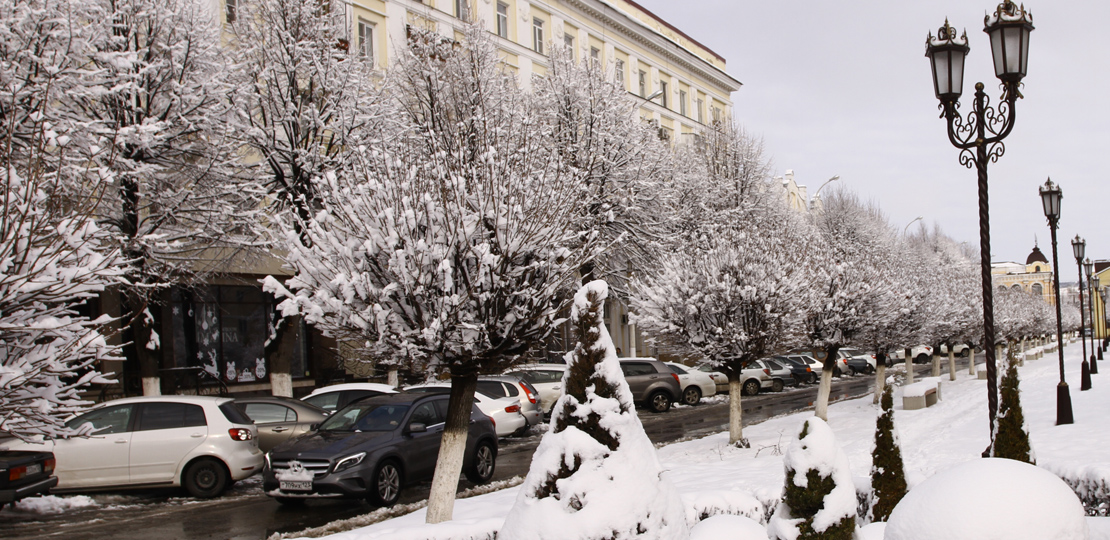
(1035,276)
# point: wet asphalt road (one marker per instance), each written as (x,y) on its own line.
(245,513)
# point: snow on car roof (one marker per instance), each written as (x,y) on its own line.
(377,387)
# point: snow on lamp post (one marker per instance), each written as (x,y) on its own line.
(1078,248)
(979,135)
(1089,269)
(1050,198)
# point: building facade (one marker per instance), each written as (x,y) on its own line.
(1034,277)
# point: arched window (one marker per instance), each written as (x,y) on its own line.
(1036,289)
(1016,287)
(1002,288)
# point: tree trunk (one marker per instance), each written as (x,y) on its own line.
(821,408)
(393,378)
(735,411)
(936,362)
(445,481)
(909,366)
(971,361)
(280,349)
(951,363)
(880,381)
(148,349)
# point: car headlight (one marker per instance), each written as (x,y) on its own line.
(349,461)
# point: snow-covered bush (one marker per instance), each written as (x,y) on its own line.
(888,477)
(819,499)
(1011,436)
(595,474)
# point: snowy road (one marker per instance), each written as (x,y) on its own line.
(245,513)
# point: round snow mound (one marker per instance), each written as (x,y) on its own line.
(989,499)
(727,527)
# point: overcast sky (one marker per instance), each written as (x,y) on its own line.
(843,88)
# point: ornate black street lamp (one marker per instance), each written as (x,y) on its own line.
(1089,268)
(1050,198)
(1079,248)
(979,136)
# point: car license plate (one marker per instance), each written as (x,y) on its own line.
(34,468)
(287,485)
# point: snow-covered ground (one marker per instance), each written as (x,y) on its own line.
(709,473)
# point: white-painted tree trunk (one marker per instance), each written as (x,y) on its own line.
(821,408)
(909,366)
(735,412)
(936,362)
(951,363)
(394,378)
(971,361)
(445,480)
(880,381)
(281,384)
(152,386)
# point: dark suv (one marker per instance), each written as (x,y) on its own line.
(652,382)
(372,448)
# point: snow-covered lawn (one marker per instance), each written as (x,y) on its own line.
(709,472)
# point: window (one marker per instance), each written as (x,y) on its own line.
(154,416)
(492,389)
(366,40)
(682,102)
(568,40)
(104,421)
(1037,289)
(643,83)
(462,10)
(426,414)
(701,110)
(677,369)
(503,19)
(268,413)
(716,114)
(595,53)
(537,35)
(328,401)
(231,8)
(621,80)
(663,88)
(631,369)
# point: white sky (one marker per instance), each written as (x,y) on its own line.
(843,88)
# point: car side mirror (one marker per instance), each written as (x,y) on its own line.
(417,427)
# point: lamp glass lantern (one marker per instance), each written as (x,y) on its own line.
(1050,199)
(946,52)
(1088,268)
(1078,247)
(1009,27)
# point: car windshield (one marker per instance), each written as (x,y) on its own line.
(366,417)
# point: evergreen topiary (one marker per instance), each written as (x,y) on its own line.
(815,506)
(1011,438)
(888,477)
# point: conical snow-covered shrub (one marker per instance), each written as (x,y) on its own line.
(1011,437)
(595,475)
(888,476)
(819,501)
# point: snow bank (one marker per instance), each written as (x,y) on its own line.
(989,499)
(724,527)
(703,505)
(50,504)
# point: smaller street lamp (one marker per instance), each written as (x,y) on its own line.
(1089,268)
(1079,248)
(1102,321)
(1050,198)
(815,201)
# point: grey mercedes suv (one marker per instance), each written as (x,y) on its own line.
(652,382)
(372,448)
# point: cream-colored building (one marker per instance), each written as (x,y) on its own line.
(1035,276)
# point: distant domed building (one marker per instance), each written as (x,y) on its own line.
(1035,276)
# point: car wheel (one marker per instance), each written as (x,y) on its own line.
(691,396)
(659,402)
(777,385)
(812,378)
(966,352)
(205,478)
(751,387)
(870,370)
(520,432)
(289,501)
(482,466)
(922,358)
(385,485)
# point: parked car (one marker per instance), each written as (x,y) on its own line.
(752,379)
(280,419)
(960,349)
(781,376)
(201,443)
(513,386)
(505,412)
(547,379)
(695,384)
(652,383)
(373,448)
(858,361)
(799,369)
(720,379)
(920,354)
(818,355)
(24,474)
(335,397)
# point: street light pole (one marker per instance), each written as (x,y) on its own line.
(1078,248)
(907,227)
(1089,267)
(1050,198)
(817,194)
(979,135)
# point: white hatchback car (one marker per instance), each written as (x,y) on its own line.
(695,384)
(504,411)
(547,379)
(201,443)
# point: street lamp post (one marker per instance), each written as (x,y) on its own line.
(1078,248)
(979,135)
(1102,321)
(1050,198)
(1089,268)
(816,199)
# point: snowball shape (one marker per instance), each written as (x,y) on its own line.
(725,527)
(990,499)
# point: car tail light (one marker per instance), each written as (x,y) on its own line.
(48,465)
(767,371)
(527,392)
(512,408)
(15,473)
(240,434)
(675,375)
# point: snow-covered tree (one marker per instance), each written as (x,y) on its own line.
(595,474)
(1011,435)
(847,281)
(819,498)
(888,476)
(452,240)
